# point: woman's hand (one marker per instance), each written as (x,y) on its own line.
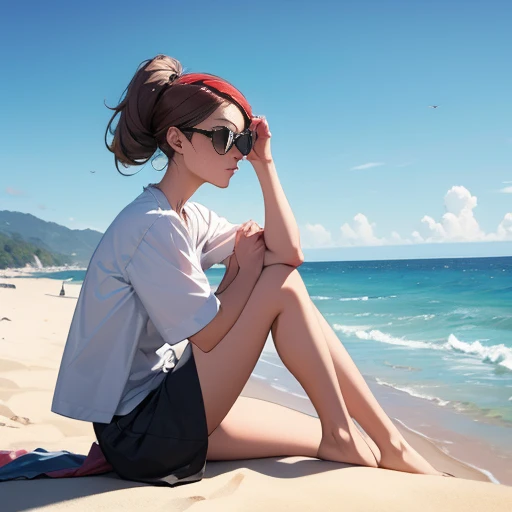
(250,251)
(247,231)
(261,152)
(249,228)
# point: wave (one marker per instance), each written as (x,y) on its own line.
(489,415)
(344,299)
(425,317)
(482,317)
(495,354)
(402,367)
(411,391)
(465,313)
(347,299)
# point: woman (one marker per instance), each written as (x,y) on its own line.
(155,359)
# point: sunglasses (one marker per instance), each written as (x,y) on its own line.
(223,139)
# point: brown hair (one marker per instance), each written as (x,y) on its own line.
(152,104)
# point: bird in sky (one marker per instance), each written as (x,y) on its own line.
(93,172)
(433,106)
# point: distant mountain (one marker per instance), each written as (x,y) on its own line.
(77,244)
(17,253)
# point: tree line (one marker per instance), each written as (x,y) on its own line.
(16,253)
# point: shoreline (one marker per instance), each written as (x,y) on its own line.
(46,335)
(430,448)
(13,273)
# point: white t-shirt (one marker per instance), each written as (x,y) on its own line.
(145,286)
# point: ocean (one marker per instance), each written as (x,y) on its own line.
(439,330)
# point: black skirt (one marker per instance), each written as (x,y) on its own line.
(164,440)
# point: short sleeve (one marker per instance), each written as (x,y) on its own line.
(166,275)
(220,238)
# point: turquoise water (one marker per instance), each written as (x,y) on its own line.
(437,329)
(440,330)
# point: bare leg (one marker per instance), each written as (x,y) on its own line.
(254,429)
(278,302)
(395,452)
(301,345)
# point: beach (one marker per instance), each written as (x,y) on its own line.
(33,330)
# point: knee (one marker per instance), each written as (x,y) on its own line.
(282,278)
(279,271)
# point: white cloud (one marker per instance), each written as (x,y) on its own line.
(416,238)
(71,219)
(369,165)
(506,190)
(458,224)
(315,236)
(13,192)
(396,239)
(504,231)
(359,233)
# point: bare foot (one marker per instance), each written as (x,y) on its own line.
(401,456)
(373,446)
(351,448)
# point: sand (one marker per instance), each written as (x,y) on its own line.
(31,345)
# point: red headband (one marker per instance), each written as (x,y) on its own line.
(220,86)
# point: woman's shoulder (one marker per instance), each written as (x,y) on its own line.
(134,221)
(206,214)
(199,207)
(202,213)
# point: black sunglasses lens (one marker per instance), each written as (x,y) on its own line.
(246,142)
(221,140)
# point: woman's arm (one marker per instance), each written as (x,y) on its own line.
(233,301)
(230,274)
(281,232)
(231,262)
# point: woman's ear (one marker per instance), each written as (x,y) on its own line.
(174,139)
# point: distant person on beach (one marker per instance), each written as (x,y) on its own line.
(62,292)
(156,359)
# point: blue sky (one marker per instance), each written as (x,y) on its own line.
(366,165)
